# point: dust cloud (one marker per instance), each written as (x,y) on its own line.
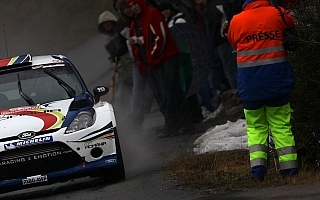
(70,28)
(138,147)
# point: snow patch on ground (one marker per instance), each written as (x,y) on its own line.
(229,136)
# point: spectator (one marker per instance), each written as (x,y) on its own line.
(209,95)
(216,18)
(199,16)
(264,85)
(116,48)
(142,97)
(174,17)
(230,8)
(161,59)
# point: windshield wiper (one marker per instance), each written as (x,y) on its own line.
(22,94)
(71,92)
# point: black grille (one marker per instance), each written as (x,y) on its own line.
(37,159)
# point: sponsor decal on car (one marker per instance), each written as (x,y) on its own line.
(34,179)
(51,118)
(57,61)
(21,143)
(90,146)
(26,135)
(20,109)
(111,160)
(34,157)
(108,134)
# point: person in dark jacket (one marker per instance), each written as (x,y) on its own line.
(150,31)
(171,14)
(188,67)
(216,17)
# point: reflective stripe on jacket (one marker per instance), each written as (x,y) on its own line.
(263,69)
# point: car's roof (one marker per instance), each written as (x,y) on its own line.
(34,60)
(46,59)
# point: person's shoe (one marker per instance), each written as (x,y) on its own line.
(214,114)
(205,112)
(258,173)
(189,129)
(289,173)
(166,132)
(216,100)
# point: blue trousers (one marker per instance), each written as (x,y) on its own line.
(142,96)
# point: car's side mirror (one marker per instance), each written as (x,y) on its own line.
(99,91)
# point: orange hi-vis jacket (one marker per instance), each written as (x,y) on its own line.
(257,35)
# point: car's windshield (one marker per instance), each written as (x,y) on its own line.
(19,88)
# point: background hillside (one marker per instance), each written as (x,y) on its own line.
(47,27)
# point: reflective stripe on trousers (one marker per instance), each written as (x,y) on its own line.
(258,123)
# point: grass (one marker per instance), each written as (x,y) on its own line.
(229,171)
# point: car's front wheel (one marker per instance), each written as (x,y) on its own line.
(117,173)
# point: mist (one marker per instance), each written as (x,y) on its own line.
(47,27)
(69,28)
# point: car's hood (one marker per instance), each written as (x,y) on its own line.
(33,118)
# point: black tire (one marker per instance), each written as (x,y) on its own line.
(117,173)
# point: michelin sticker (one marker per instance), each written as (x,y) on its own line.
(21,143)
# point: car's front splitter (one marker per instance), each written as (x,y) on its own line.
(81,170)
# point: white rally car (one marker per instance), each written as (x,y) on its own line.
(51,127)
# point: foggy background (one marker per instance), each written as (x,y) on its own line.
(48,27)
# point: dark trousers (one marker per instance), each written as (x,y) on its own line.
(166,84)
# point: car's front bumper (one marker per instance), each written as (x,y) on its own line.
(81,170)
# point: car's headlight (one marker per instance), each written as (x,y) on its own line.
(82,121)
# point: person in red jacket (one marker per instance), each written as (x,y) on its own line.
(265,80)
(154,45)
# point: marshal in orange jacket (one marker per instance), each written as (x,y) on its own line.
(257,35)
